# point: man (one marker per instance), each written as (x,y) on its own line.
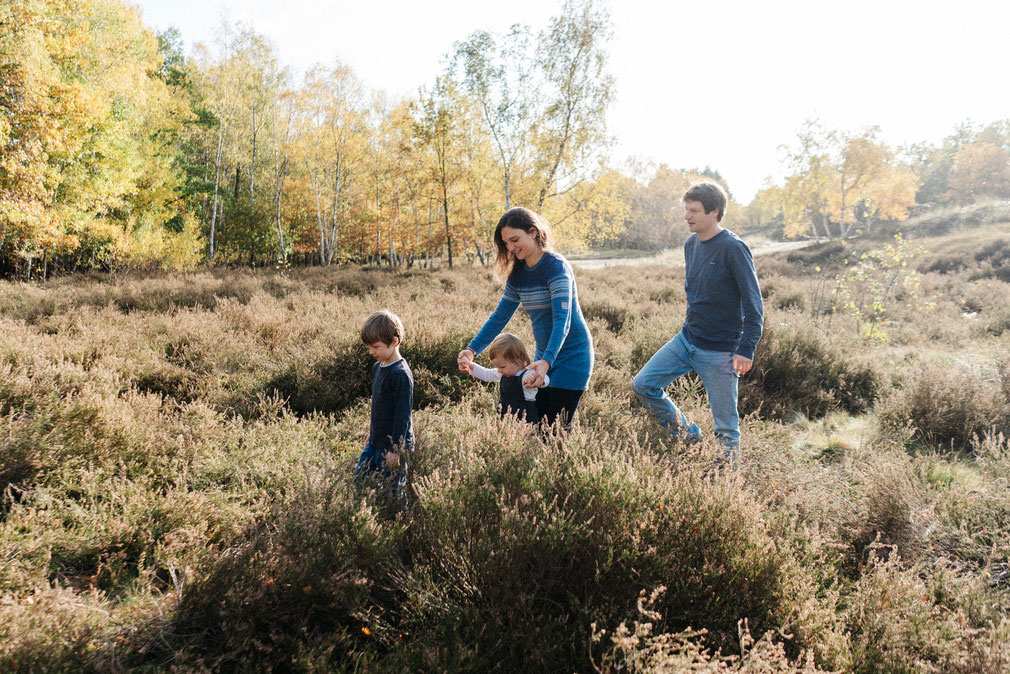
(723,324)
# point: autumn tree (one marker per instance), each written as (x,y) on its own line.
(86,178)
(600,211)
(437,128)
(839,180)
(331,148)
(544,98)
(499,72)
(979,170)
(806,195)
(570,131)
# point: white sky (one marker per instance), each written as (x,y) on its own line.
(723,85)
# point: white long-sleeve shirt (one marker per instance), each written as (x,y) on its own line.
(494,376)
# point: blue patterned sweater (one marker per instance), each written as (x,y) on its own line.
(548,293)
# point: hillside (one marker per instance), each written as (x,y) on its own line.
(177,496)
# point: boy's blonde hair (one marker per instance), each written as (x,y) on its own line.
(382,326)
(509,347)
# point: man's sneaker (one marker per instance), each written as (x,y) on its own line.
(691,434)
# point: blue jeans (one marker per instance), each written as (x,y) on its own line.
(715,368)
(372,463)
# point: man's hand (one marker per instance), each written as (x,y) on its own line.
(741,365)
(392,459)
(539,371)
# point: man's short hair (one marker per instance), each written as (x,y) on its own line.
(382,326)
(711,196)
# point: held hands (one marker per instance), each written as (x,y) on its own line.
(535,377)
(465,361)
(741,365)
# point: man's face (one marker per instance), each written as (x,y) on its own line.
(698,221)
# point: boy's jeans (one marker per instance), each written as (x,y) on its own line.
(372,462)
(715,368)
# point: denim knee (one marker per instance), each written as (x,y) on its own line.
(643,391)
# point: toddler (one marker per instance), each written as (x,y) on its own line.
(511,362)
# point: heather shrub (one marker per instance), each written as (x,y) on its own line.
(323,572)
(332,384)
(797,372)
(642,648)
(174,488)
(889,512)
(817,255)
(946,407)
(914,619)
(940,221)
(522,545)
(50,629)
(783,293)
(614,317)
(946,264)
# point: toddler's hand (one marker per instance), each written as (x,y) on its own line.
(392,459)
(465,361)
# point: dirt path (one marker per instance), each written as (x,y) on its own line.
(676,258)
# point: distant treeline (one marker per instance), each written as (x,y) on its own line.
(120,149)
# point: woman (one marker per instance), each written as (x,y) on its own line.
(542,281)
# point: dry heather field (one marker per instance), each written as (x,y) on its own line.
(176,495)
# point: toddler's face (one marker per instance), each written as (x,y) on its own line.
(505,367)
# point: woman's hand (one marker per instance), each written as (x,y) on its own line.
(465,360)
(539,369)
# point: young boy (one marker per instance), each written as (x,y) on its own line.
(391,427)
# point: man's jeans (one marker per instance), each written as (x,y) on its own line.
(715,368)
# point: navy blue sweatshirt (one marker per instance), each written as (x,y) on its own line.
(392,399)
(724,307)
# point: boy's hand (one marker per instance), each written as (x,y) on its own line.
(392,459)
(465,361)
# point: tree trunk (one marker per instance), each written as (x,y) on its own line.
(217,183)
(280,193)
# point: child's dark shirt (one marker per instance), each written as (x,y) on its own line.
(392,399)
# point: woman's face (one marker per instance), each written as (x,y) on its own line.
(520,243)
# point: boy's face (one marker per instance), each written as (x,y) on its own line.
(505,367)
(382,352)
